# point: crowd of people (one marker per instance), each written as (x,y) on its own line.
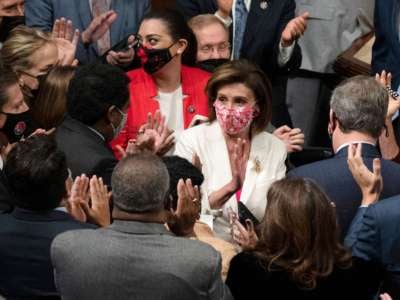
(149,153)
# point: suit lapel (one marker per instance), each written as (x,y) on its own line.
(84,12)
(256,15)
(394,24)
(254,166)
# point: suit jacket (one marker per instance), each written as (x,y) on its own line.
(266,165)
(333,25)
(386,49)
(143,93)
(374,235)
(249,278)
(6,199)
(263,31)
(334,177)
(135,260)
(86,151)
(25,239)
(43,13)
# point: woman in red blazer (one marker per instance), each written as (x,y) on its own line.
(165,43)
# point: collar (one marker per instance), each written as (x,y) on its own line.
(345,145)
(97,132)
(31,215)
(135,227)
(368,150)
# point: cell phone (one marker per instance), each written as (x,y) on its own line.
(244,214)
(121,46)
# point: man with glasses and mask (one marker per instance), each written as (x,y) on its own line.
(97,101)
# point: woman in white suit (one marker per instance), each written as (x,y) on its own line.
(239,159)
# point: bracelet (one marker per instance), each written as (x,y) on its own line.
(392,93)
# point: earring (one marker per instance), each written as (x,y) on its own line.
(21,82)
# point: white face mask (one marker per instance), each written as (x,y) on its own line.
(118,129)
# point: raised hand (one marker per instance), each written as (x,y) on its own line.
(79,196)
(293,138)
(294,29)
(99,211)
(370,183)
(239,163)
(122,58)
(385,79)
(182,220)
(98,27)
(246,237)
(66,40)
(224,8)
(11,8)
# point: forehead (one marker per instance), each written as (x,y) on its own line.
(236,90)
(212,33)
(153,26)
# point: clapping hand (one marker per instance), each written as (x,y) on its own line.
(11,8)
(66,40)
(294,29)
(370,183)
(238,164)
(385,79)
(293,138)
(84,191)
(98,27)
(182,220)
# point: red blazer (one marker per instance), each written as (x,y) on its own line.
(143,91)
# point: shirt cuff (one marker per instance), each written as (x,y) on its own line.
(227,21)
(285,53)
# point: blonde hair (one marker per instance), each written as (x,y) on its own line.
(21,44)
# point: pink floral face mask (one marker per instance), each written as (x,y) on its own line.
(234,120)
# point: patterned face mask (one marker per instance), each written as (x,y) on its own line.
(154,59)
(234,120)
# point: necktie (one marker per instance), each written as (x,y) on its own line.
(99,7)
(240,26)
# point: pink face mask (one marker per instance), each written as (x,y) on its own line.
(234,120)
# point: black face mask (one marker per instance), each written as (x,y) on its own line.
(210,65)
(154,59)
(18,126)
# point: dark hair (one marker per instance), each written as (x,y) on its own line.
(140,183)
(36,171)
(178,168)
(247,73)
(299,233)
(48,108)
(178,29)
(7,79)
(94,89)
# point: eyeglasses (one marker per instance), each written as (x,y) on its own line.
(207,49)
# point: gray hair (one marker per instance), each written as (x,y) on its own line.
(140,183)
(360,104)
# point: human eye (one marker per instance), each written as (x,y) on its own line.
(221,98)
(153,41)
(206,48)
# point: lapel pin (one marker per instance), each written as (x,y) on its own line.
(191,109)
(263,5)
(257,165)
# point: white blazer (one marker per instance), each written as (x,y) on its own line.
(266,164)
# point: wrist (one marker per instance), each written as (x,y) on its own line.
(85,39)
(286,44)
(369,199)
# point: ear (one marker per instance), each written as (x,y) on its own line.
(332,122)
(256,111)
(111,115)
(182,45)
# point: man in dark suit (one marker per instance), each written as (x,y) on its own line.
(137,257)
(117,19)
(358,110)
(37,174)
(265,35)
(97,101)
(375,236)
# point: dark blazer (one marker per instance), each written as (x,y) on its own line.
(386,49)
(263,31)
(374,235)
(43,13)
(25,239)
(6,200)
(86,151)
(334,177)
(249,278)
(135,260)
